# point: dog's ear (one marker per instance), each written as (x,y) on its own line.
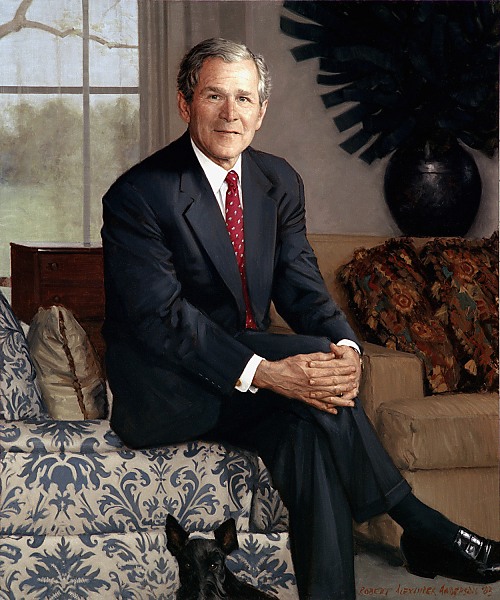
(226,536)
(176,536)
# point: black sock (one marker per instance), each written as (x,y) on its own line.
(423,522)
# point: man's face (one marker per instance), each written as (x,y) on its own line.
(224,113)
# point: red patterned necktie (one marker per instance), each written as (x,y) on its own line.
(234,224)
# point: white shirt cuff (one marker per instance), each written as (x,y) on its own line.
(351,344)
(244,383)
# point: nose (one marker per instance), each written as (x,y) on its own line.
(228,111)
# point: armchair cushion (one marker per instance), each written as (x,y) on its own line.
(441,432)
(463,280)
(20,395)
(386,288)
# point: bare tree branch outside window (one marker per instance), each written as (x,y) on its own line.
(68,126)
(20,21)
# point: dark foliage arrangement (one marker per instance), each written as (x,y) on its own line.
(409,67)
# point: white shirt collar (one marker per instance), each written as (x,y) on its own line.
(216,174)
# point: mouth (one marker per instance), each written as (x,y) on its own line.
(225,132)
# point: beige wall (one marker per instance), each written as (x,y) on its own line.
(344,195)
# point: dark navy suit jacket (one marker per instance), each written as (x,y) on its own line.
(173,289)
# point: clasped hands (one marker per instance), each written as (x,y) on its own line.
(325,380)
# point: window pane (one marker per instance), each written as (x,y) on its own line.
(114,139)
(114,43)
(40,171)
(37,55)
(8,9)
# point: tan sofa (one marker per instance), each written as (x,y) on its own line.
(446,446)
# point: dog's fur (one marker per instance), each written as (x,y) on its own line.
(202,565)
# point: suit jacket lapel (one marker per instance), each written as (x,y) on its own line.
(206,219)
(260,215)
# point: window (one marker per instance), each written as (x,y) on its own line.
(69,115)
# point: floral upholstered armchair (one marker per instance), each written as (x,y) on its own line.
(82,516)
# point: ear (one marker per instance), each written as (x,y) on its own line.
(262,114)
(176,536)
(226,536)
(184,108)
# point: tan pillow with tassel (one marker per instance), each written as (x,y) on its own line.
(68,370)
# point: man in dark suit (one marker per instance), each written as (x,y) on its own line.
(188,294)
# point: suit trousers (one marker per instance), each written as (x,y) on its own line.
(327,468)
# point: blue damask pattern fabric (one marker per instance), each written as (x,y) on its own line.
(268,511)
(20,396)
(134,566)
(82,516)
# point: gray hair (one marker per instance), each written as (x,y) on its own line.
(230,52)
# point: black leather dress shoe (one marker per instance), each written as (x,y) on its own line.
(473,558)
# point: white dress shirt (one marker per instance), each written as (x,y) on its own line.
(216,176)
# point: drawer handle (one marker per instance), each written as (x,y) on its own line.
(54,266)
(56,299)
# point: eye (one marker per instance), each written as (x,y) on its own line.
(243,99)
(213,566)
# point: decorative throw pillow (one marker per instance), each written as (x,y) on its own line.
(463,278)
(386,285)
(20,396)
(67,366)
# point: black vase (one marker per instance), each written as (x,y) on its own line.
(433,188)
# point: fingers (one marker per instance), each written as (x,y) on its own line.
(337,366)
(329,408)
(338,351)
(335,398)
(343,383)
(326,387)
(345,353)
(330,361)
(334,368)
(325,370)
(338,395)
(334,382)
(331,404)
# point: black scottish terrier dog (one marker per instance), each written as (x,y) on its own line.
(202,565)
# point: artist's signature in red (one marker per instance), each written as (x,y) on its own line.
(452,591)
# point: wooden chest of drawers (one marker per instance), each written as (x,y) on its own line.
(70,275)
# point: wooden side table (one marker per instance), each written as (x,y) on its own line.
(71,275)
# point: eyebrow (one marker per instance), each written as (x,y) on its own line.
(218,90)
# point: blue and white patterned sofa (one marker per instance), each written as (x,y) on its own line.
(82,516)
